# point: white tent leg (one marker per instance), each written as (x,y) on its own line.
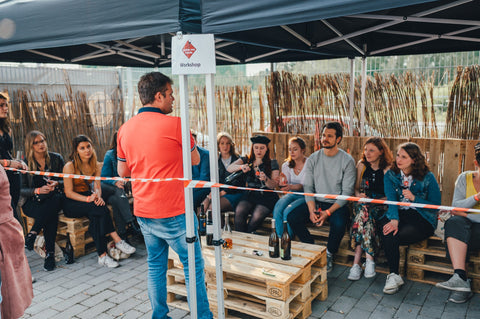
(212,148)
(187,173)
(364,85)
(352,94)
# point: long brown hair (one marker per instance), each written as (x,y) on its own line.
(92,162)
(5,123)
(419,167)
(386,158)
(267,161)
(230,139)
(29,140)
(303,146)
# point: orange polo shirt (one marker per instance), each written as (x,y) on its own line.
(151,145)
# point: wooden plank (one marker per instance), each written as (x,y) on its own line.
(451,169)
(469,155)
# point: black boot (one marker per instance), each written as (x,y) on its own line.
(30,240)
(49,263)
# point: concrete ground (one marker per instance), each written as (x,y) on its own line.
(85,290)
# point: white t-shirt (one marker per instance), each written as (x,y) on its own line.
(293,178)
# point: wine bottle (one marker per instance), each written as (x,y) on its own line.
(273,242)
(286,245)
(230,178)
(227,234)
(69,251)
(202,222)
(209,228)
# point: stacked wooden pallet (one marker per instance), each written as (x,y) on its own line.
(260,286)
(427,262)
(77,228)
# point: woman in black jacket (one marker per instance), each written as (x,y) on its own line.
(44,195)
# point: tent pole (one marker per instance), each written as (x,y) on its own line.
(352,94)
(187,173)
(362,101)
(212,148)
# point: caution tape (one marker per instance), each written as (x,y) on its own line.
(203,184)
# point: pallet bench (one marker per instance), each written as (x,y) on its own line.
(259,286)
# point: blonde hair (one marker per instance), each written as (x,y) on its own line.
(29,140)
(230,139)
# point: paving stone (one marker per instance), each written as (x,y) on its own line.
(417,293)
(332,315)
(343,304)
(382,312)
(124,307)
(96,310)
(100,287)
(143,307)
(148,315)
(407,311)
(120,297)
(132,314)
(46,313)
(70,312)
(319,308)
(358,288)
(75,290)
(357,313)
(369,301)
(98,298)
(70,302)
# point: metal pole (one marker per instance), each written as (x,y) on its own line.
(187,173)
(352,94)
(364,85)
(212,148)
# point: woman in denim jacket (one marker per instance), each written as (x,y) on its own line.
(409,180)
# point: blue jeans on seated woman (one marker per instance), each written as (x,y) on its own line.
(283,207)
(159,234)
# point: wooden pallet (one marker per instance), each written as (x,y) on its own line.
(80,238)
(266,287)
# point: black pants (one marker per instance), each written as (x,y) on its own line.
(299,218)
(45,214)
(15,180)
(465,230)
(412,228)
(99,216)
(121,208)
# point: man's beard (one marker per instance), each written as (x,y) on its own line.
(328,146)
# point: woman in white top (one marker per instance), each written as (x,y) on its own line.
(291,181)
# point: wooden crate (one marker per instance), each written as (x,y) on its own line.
(77,228)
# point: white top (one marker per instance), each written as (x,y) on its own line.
(293,178)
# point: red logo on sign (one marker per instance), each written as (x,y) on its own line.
(189,49)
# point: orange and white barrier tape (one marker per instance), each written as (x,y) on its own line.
(204,184)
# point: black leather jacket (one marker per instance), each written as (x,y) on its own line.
(30,182)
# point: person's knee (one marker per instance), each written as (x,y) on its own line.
(456,223)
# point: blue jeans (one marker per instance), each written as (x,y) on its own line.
(159,234)
(282,208)
(299,218)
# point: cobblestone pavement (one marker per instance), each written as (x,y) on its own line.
(85,290)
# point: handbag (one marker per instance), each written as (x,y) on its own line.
(39,248)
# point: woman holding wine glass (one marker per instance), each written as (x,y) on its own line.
(262,173)
(375,162)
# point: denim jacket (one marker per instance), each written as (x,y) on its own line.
(425,191)
(109,168)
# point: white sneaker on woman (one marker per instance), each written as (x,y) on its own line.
(125,247)
(369,269)
(355,272)
(393,283)
(107,261)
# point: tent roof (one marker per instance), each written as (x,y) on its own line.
(125,33)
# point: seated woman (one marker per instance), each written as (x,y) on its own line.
(44,195)
(409,180)
(375,162)
(83,201)
(113,192)
(462,231)
(229,198)
(264,175)
(293,176)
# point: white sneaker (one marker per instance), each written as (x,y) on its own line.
(355,272)
(369,269)
(107,261)
(125,247)
(392,284)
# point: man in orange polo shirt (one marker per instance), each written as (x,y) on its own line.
(150,146)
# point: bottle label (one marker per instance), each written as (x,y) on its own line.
(270,248)
(210,229)
(281,252)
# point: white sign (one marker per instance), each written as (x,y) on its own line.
(193,54)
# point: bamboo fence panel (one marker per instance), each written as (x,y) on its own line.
(62,117)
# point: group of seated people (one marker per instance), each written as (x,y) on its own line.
(377,175)
(45,196)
